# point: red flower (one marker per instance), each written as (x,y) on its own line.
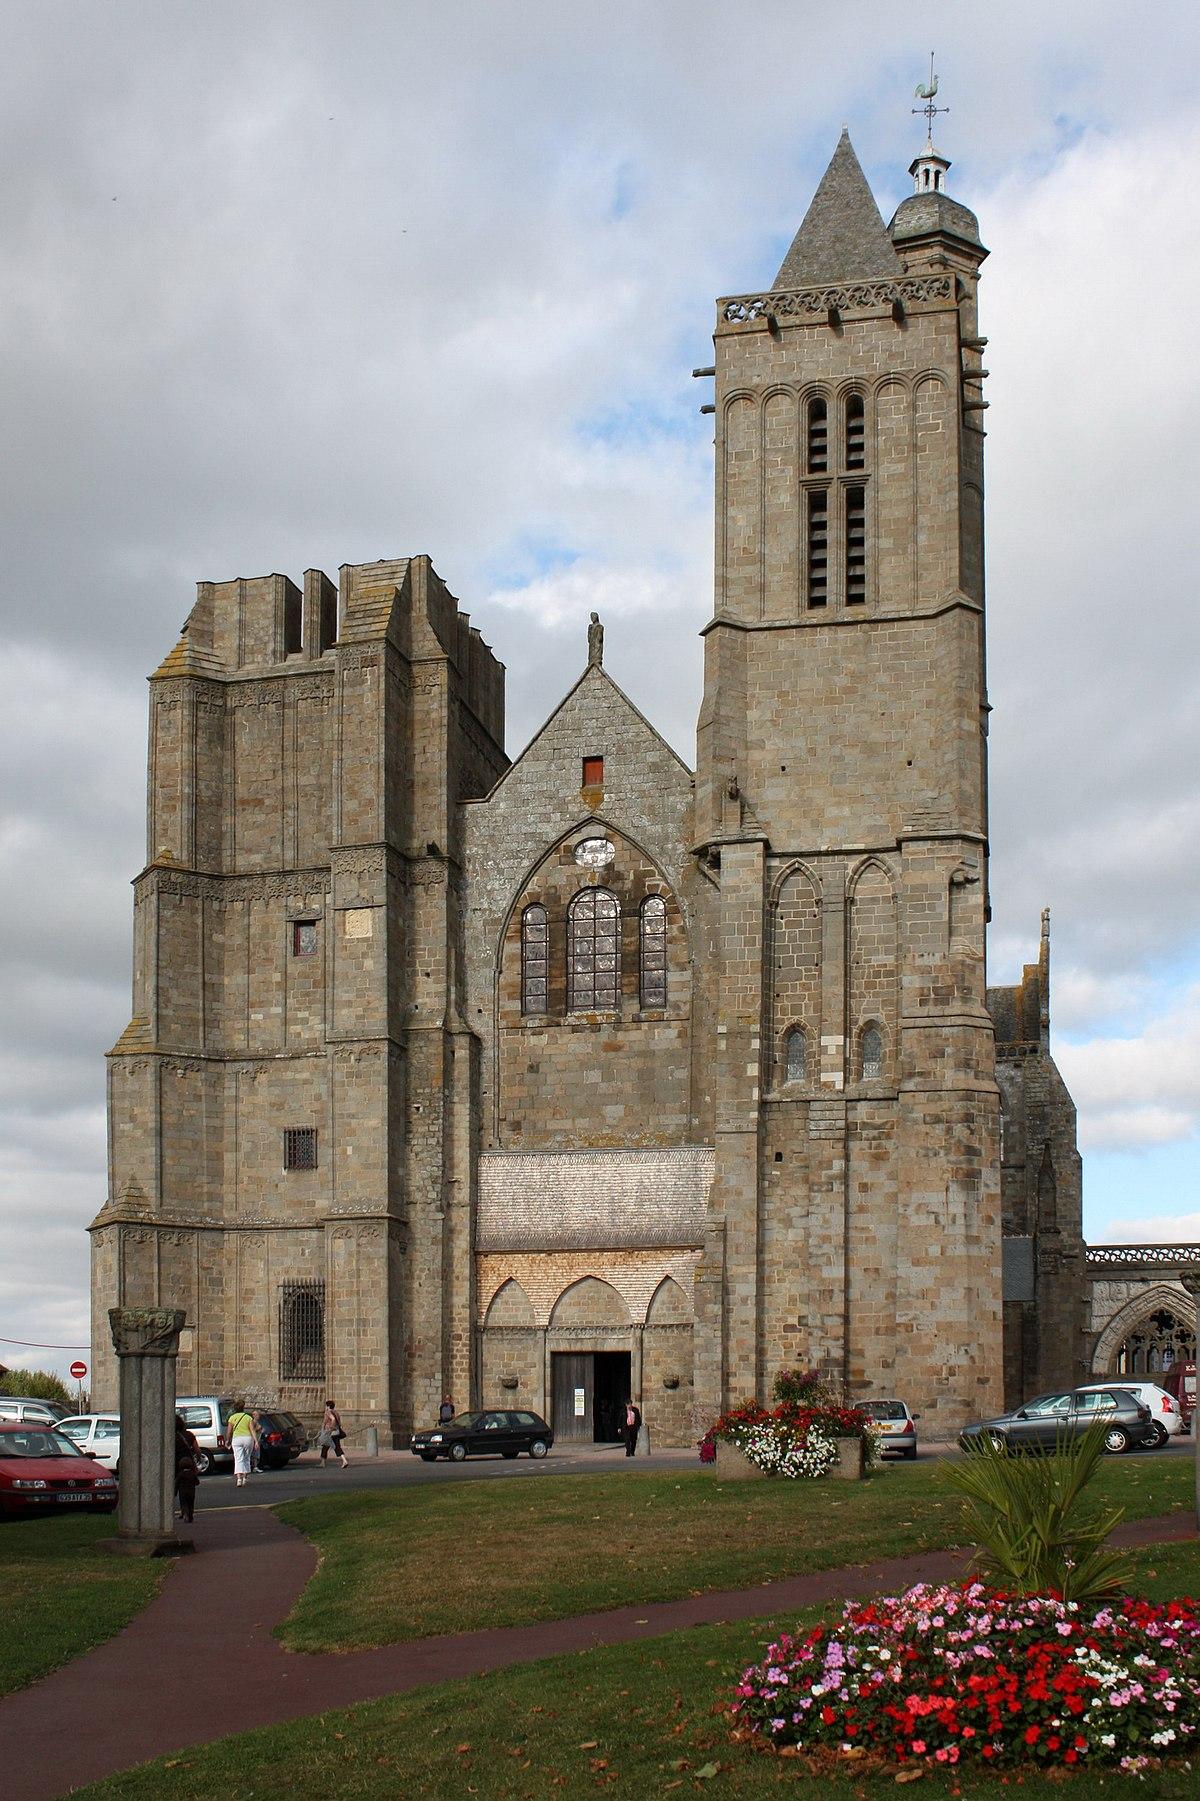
(1032,1734)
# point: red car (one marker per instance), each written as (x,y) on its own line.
(42,1472)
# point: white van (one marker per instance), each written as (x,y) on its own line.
(207,1418)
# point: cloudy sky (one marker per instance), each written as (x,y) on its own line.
(294,285)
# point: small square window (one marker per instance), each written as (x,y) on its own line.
(304,938)
(300,1147)
(593,772)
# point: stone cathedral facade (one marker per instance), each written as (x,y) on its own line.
(546,1082)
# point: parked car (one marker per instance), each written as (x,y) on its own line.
(1039,1424)
(480,1434)
(895,1426)
(207,1417)
(41,1471)
(1164,1408)
(38,1413)
(276,1441)
(296,1429)
(97,1435)
(1180,1381)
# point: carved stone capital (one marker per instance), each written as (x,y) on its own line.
(146,1331)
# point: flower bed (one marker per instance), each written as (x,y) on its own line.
(969,1675)
(791,1440)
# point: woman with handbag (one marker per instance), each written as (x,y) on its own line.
(331,1435)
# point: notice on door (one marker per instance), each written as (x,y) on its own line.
(580,1403)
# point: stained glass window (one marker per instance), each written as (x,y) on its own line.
(872,1054)
(593,951)
(654,952)
(534,932)
(797,1056)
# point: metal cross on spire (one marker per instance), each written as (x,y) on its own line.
(927,94)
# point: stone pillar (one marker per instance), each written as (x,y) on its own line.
(146,1340)
(1190,1279)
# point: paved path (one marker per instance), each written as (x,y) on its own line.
(193,1667)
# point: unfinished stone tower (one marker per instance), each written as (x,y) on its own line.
(551,1082)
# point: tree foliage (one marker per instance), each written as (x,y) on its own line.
(36,1385)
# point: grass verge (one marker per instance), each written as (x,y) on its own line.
(61,1595)
(635,1720)
(413,1562)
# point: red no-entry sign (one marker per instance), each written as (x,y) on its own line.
(79,1371)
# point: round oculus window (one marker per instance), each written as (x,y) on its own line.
(594,853)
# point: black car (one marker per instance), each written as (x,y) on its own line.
(295,1428)
(276,1441)
(1040,1424)
(506,1434)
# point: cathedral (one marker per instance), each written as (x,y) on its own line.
(549,1082)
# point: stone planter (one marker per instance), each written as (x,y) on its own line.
(851,1463)
(733,1466)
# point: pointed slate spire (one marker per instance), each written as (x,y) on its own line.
(842,237)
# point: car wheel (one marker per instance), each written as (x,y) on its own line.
(428,1456)
(458,1451)
(203,1463)
(911,1455)
(1161,1435)
(538,1448)
(1116,1440)
(997,1441)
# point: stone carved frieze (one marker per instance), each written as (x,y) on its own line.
(145,1331)
(816,303)
(357,862)
(358,659)
(304,888)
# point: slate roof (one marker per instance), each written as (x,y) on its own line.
(592,1200)
(842,236)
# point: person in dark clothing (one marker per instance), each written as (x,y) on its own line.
(187,1470)
(630,1426)
(446,1410)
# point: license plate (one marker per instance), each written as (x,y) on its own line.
(73,1497)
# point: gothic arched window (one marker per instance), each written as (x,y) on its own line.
(593,951)
(818,437)
(871,1054)
(654,952)
(534,932)
(796,1055)
(856,546)
(856,433)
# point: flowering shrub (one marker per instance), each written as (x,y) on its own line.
(969,1675)
(780,1453)
(792,1439)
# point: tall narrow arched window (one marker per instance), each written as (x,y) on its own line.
(856,546)
(593,951)
(856,433)
(654,952)
(534,932)
(871,1054)
(796,1055)
(818,546)
(818,437)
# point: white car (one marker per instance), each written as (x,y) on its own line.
(1164,1408)
(895,1426)
(97,1435)
(30,1413)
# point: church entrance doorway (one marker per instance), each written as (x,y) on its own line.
(589,1390)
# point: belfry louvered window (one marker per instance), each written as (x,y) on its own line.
(856,546)
(302,1332)
(856,433)
(818,547)
(593,951)
(534,935)
(818,437)
(654,952)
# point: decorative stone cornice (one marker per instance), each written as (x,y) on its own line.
(818,303)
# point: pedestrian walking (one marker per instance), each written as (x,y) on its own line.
(187,1470)
(256,1448)
(632,1423)
(446,1410)
(331,1435)
(241,1437)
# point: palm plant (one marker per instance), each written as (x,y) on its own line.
(1029,1519)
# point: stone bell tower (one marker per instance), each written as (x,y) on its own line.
(854,1218)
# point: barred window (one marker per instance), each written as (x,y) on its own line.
(300,1147)
(654,952)
(304,938)
(534,934)
(796,1056)
(593,951)
(302,1331)
(871,1049)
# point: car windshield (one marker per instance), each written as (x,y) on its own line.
(464,1419)
(37,1441)
(885,1410)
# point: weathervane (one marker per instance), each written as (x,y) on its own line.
(927,93)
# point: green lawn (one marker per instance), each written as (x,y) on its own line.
(412,1562)
(637,1720)
(60,1595)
